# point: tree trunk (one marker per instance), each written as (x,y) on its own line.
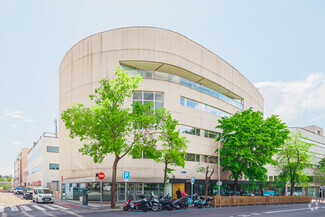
(165,176)
(117,158)
(206,182)
(235,186)
(292,187)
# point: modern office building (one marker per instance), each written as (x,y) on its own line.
(19,164)
(194,84)
(43,162)
(316,184)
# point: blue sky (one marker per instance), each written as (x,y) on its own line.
(278,45)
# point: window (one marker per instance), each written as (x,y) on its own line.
(190,157)
(54,166)
(156,98)
(52,149)
(201,158)
(198,132)
(203,107)
(35,169)
(35,155)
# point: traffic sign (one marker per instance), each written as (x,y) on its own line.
(219,183)
(101,175)
(192,179)
(126,175)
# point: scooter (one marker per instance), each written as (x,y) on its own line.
(204,203)
(141,204)
(153,203)
(166,202)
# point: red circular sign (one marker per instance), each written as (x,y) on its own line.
(101,175)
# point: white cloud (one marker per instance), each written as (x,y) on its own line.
(28,120)
(291,100)
(16,143)
(12,126)
(13,114)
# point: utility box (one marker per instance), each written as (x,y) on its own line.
(85,197)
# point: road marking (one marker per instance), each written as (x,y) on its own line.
(14,208)
(38,207)
(26,208)
(244,215)
(287,210)
(60,207)
(49,207)
(2,209)
(256,213)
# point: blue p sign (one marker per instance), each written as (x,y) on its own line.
(192,180)
(126,175)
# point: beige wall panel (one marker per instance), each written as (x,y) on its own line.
(190,51)
(96,43)
(209,60)
(166,42)
(112,40)
(81,94)
(80,72)
(65,80)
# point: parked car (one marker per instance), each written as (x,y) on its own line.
(28,193)
(18,190)
(41,195)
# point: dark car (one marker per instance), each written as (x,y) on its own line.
(28,193)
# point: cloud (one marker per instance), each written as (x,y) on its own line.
(295,99)
(13,114)
(16,143)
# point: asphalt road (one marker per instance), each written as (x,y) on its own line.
(11,205)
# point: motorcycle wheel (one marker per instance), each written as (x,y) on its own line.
(169,207)
(199,205)
(208,205)
(155,207)
(145,208)
(125,208)
(177,206)
(184,205)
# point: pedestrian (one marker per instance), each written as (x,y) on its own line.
(179,193)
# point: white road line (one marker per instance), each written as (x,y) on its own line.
(256,213)
(60,207)
(2,209)
(49,207)
(26,208)
(287,210)
(38,207)
(244,215)
(14,208)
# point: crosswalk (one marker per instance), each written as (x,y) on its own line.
(30,208)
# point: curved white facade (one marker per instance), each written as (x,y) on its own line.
(190,72)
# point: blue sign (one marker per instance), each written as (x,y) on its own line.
(192,180)
(183,172)
(126,175)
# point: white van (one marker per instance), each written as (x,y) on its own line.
(42,195)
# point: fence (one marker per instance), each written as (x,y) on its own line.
(259,200)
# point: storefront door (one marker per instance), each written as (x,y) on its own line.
(177,186)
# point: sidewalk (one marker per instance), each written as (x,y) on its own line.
(96,204)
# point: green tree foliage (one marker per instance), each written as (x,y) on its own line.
(249,142)
(110,128)
(293,158)
(173,146)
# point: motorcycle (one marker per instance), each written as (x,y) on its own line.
(153,203)
(141,204)
(204,203)
(166,202)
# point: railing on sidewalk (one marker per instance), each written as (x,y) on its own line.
(259,200)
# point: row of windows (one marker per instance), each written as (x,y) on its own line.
(201,158)
(54,167)
(52,149)
(183,81)
(198,132)
(35,169)
(203,107)
(156,98)
(35,155)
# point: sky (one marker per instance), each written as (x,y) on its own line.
(278,45)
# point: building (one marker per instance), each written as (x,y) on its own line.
(43,162)
(194,84)
(314,135)
(19,164)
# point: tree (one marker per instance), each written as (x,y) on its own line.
(293,158)
(173,146)
(208,170)
(249,142)
(108,127)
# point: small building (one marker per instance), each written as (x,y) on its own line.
(19,165)
(43,162)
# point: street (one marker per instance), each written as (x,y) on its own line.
(12,205)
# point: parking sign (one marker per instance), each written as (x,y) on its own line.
(126,175)
(192,180)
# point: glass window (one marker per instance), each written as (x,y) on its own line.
(148,95)
(52,149)
(191,103)
(54,166)
(190,157)
(197,158)
(186,129)
(159,96)
(182,101)
(159,105)
(212,135)
(137,96)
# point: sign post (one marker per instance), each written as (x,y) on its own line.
(62,188)
(126,176)
(192,185)
(101,176)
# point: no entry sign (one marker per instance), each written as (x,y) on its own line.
(101,175)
